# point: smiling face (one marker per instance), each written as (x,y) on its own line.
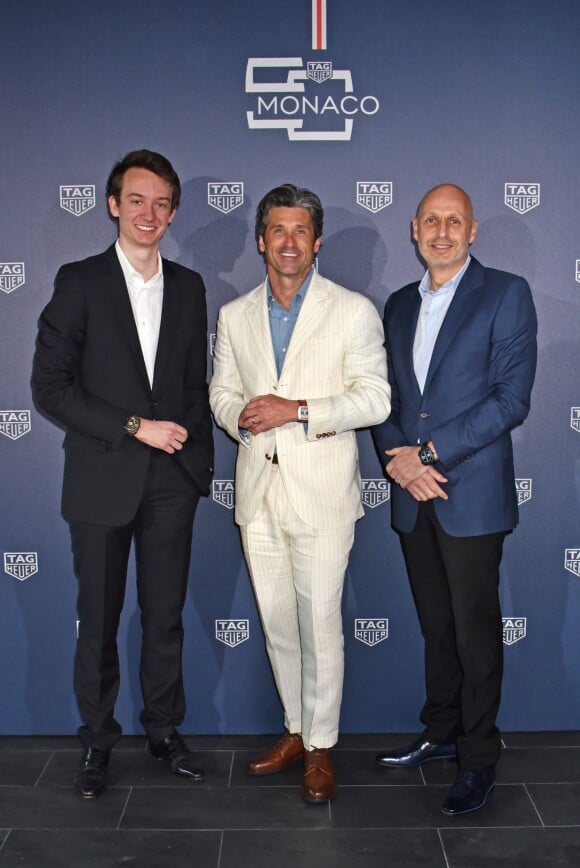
(443,229)
(144,209)
(288,244)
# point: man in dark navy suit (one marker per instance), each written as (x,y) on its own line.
(461,349)
(120,364)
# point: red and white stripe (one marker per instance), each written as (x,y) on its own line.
(319,25)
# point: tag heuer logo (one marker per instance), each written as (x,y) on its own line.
(226,195)
(572,561)
(514,629)
(524,490)
(371,631)
(522,197)
(319,71)
(14,423)
(374,492)
(11,276)
(20,565)
(222,491)
(374,195)
(77,200)
(232,632)
(575,418)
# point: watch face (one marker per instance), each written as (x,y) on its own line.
(303,414)
(426,455)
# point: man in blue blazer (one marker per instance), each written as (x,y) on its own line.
(120,365)
(461,349)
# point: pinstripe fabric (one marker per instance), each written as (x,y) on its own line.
(297,573)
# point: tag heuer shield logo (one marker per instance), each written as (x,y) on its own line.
(514,629)
(371,631)
(232,632)
(225,196)
(20,565)
(374,492)
(318,70)
(572,561)
(11,276)
(524,490)
(522,197)
(575,419)
(374,195)
(222,491)
(14,423)
(77,200)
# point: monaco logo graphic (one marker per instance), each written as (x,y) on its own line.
(222,491)
(20,565)
(232,631)
(522,197)
(524,490)
(514,629)
(78,199)
(225,196)
(312,101)
(575,418)
(572,561)
(11,276)
(371,631)
(374,492)
(14,423)
(578,270)
(374,195)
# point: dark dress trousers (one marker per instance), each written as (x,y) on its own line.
(88,376)
(477,390)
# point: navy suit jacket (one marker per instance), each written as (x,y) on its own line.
(89,375)
(477,390)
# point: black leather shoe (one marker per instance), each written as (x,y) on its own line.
(421,751)
(91,778)
(469,791)
(174,749)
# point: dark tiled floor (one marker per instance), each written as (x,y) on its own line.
(150,819)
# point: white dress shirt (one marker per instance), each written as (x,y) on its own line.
(146,299)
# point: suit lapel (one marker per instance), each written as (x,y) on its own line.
(118,295)
(259,327)
(459,309)
(402,331)
(312,311)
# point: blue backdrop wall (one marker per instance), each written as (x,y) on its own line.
(369,103)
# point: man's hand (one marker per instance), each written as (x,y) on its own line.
(167,436)
(421,481)
(267,411)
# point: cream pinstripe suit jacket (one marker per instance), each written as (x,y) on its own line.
(337,362)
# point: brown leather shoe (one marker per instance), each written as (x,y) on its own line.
(319,778)
(285,752)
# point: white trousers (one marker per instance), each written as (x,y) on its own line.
(297,572)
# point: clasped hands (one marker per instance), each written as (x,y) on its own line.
(420,480)
(267,411)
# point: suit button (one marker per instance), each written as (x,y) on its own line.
(424,415)
(268,457)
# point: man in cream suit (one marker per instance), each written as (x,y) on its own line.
(299,365)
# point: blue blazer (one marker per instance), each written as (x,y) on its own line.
(477,390)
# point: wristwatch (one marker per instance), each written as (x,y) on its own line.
(302,411)
(426,454)
(132,425)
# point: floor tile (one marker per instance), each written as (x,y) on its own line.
(60,808)
(22,768)
(56,849)
(512,848)
(222,808)
(420,807)
(561,738)
(339,849)
(129,768)
(558,804)
(519,765)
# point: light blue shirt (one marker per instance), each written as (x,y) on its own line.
(434,306)
(282,321)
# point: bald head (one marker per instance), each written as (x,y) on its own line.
(451,191)
(443,228)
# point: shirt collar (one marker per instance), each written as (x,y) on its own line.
(131,273)
(450,286)
(298,298)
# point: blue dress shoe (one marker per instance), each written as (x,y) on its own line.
(469,792)
(174,750)
(421,751)
(91,778)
